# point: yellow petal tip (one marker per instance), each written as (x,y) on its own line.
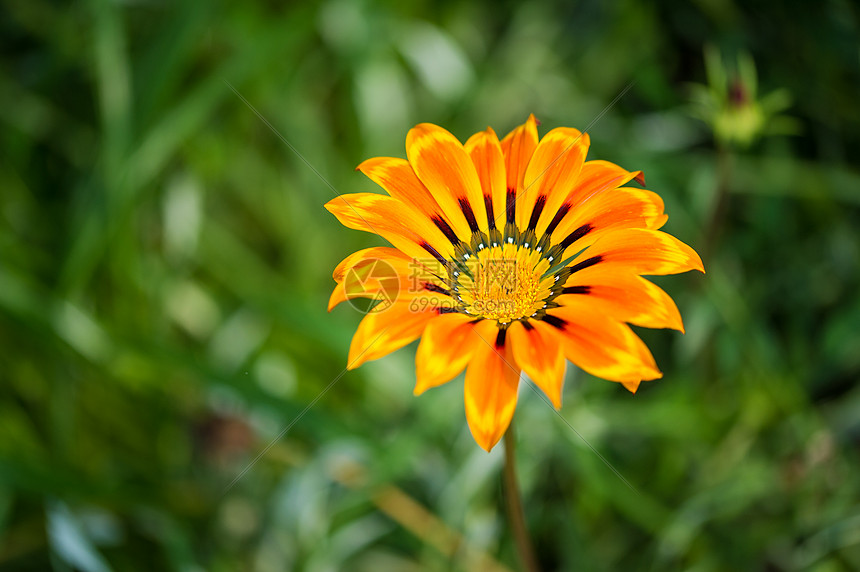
(486,441)
(352,362)
(487,446)
(334,300)
(631,386)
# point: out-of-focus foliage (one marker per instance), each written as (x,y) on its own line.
(729,104)
(165,263)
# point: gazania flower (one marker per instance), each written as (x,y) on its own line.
(508,256)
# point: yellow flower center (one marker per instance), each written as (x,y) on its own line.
(504,283)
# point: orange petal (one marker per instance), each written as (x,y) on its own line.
(382,332)
(442,164)
(552,173)
(540,357)
(446,347)
(393,220)
(400,181)
(623,207)
(517,148)
(597,176)
(607,211)
(642,251)
(599,344)
(623,296)
(491,387)
(486,154)
(390,255)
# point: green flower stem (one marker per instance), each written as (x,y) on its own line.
(516,516)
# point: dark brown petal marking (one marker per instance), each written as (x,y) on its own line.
(576,289)
(527,325)
(430,287)
(435,253)
(446,310)
(557,218)
(446,229)
(500,338)
(576,235)
(488,205)
(511,205)
(586,263)
(468,213)
(559,323)
(540,203)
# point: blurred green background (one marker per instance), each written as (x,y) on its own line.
(165,263)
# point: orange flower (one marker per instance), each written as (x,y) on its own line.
(508,256)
